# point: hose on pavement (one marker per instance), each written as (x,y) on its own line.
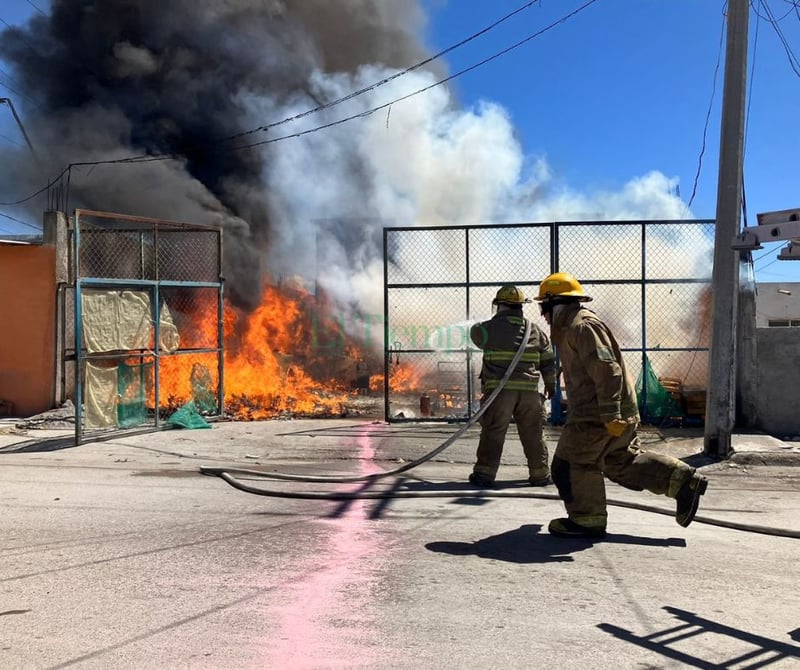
(230,475)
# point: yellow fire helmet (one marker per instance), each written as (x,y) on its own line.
(564,285)
(510,295)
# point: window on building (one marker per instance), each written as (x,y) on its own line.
(784,323)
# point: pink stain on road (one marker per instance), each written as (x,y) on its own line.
(325,615)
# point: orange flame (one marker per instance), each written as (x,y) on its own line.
(403,378)
(289,355)
(279,358)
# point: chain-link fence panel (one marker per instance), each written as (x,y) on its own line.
(437,385)
(188,255)
(425,255)
(121,253)
(194,312)
(117,392)
(427,318)
(595,251)
(146,333)
(649,280)
(678,250)
(517,255)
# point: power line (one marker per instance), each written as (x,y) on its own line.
(764,255)
(772,262)
(708,115)
(13,141)
(24,223)
(788,11)
(385,80)
(378,108)
(146,158)
(19,93)
(36,8)
(793,61)
(6,86)
(40,191)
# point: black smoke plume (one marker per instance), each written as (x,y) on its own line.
(108,79)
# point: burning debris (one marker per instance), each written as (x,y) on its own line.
(289,356)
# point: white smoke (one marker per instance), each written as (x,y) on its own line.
(424,162)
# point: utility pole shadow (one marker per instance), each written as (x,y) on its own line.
(765,651)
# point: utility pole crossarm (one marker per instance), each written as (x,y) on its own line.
(780,226)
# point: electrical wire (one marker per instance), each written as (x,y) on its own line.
(24,223)
(12,141)
(761,269)
(386,105)
(385,80)
(708,117)
(41,190)
(15,92)
(793,61)
(146,158)
(36,8)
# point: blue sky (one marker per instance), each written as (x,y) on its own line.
(621,89)
(625,86)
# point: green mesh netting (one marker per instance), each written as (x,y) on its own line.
(188,417)
(131,382)
(203,389)
(654,400)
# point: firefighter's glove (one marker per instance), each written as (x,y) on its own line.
(616,427)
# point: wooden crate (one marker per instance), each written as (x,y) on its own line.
(674,387)
(694,401)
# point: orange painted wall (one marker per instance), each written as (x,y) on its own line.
(27,327)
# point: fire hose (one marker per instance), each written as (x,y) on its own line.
(232,476)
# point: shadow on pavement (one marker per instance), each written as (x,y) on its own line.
(527,544)
(762,650)
(40,446)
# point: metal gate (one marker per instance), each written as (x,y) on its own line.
(650,281)
(142,320)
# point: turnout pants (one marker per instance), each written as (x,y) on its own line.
(586,452)
(525,407)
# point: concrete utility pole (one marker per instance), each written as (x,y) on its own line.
(721,387)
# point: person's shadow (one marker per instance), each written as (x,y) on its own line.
(527,545)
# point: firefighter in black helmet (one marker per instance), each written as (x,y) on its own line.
(500,338)
(599,438)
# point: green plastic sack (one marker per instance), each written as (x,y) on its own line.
(187,417)
(654,400)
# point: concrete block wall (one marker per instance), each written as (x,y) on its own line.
(778,381)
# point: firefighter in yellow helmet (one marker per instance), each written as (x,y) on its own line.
(599,438)
(500,337)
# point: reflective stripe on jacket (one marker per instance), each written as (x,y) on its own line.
(500,338)
(597,384)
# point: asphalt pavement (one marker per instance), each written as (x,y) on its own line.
(120,554)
